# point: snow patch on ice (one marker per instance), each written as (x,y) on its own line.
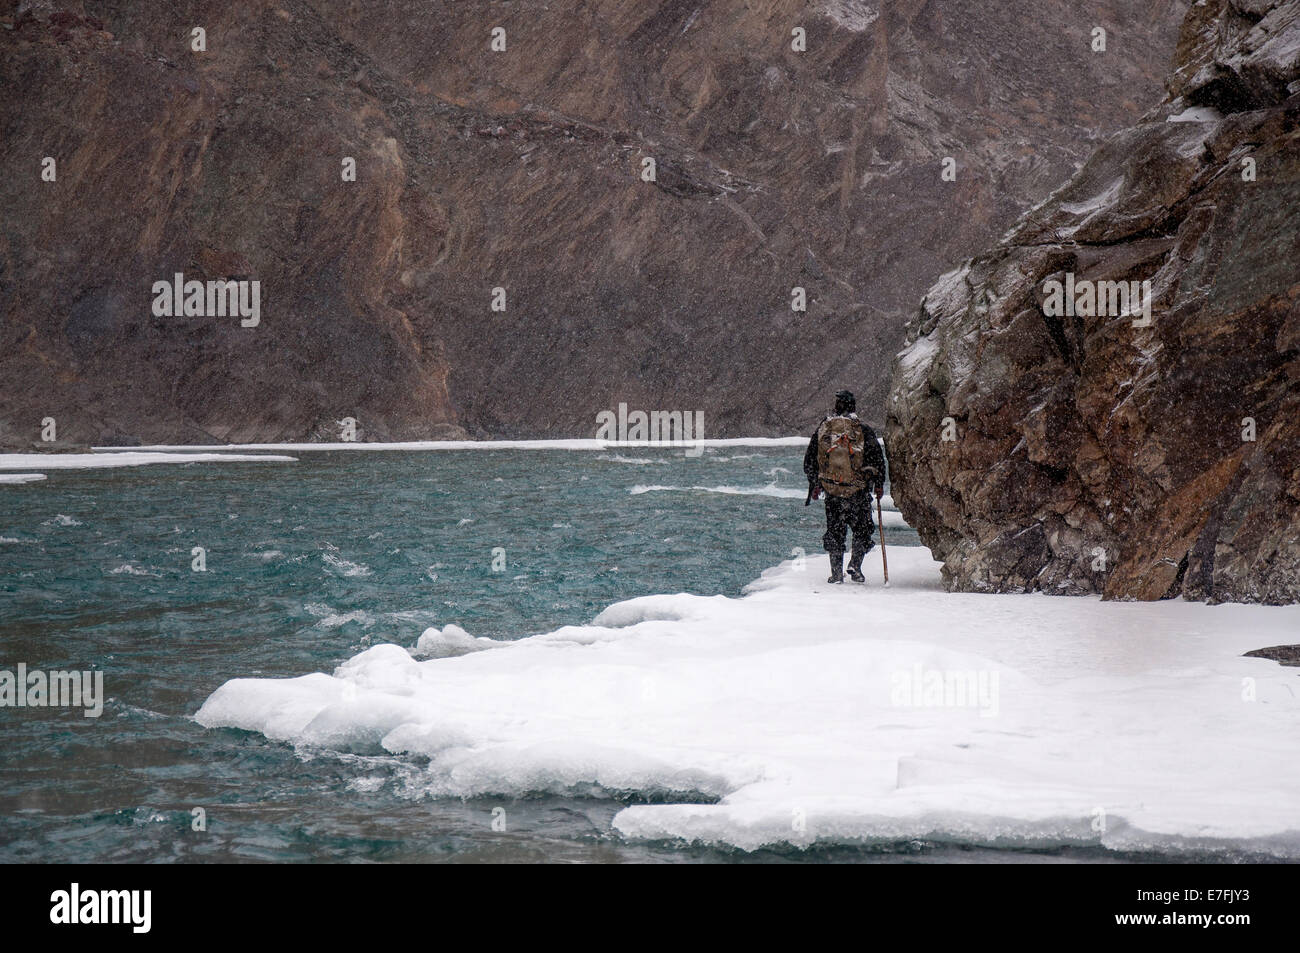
(568,444)
(451,641)
(786,709)
(85,461)
(21,477)
(894,520)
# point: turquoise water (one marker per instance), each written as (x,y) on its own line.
(308,564)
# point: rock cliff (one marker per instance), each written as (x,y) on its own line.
(1042,441)
(517,169)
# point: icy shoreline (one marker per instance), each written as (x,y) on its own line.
(809,713)
(558,444)
(134,458)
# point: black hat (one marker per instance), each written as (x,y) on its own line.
(845,402)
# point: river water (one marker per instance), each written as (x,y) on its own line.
(308,564)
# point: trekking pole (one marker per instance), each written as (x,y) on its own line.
(880,520)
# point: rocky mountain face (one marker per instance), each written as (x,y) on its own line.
(519,169)
(1141,455)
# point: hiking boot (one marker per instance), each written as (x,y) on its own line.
(855,568)
(837,568)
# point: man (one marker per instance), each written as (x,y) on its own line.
(844,459)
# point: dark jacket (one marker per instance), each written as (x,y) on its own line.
(872,455)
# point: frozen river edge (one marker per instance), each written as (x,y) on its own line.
(807,713)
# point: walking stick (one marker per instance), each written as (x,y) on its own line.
(880,520)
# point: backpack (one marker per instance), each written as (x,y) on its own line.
(841,444)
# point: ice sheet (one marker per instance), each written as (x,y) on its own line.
(571,444)
(808,712)
(134,458)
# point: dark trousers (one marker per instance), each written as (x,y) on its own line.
(844,513)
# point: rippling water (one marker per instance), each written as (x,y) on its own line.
(308,564)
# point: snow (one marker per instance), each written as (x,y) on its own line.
(949,294)
(571,444)
(894,520)
(807,712)
(452,640)
(914,362)
(1100,202)
(855,15)
(1196,114)
(78,461)
(21,477)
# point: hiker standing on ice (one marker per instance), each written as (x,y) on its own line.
(844,460)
